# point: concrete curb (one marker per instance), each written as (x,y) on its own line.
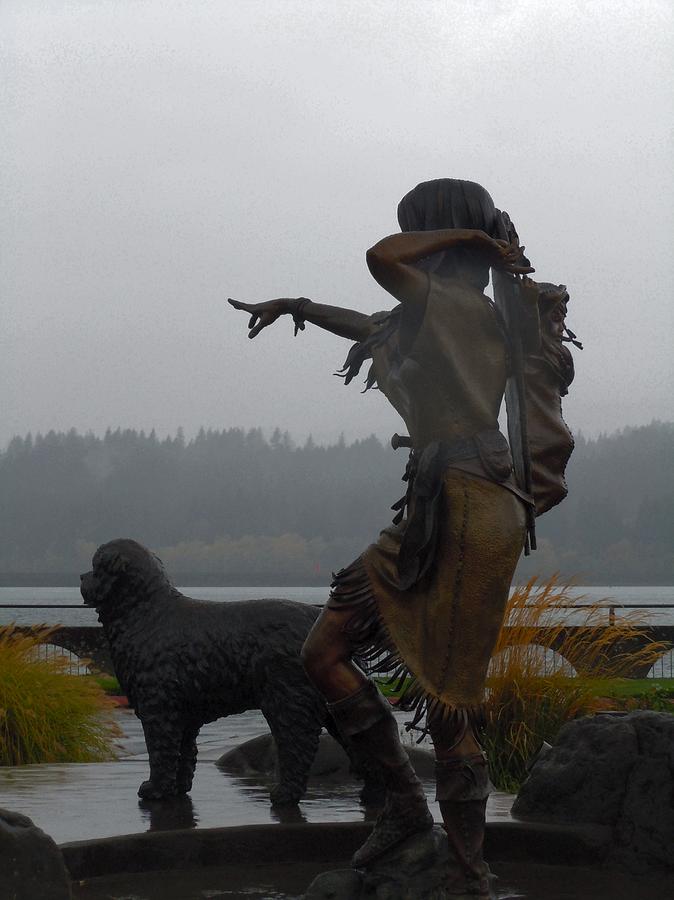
(332,843)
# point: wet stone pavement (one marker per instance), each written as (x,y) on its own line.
(79,801)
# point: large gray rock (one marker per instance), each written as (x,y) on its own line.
(258,757)
(31,865)
(339,884)
(418,869)
(616,771)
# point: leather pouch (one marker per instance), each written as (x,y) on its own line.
(494,453)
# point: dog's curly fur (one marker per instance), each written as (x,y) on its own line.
(184,662)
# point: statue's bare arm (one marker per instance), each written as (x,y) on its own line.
(392,264)
(347,323)
(392,261)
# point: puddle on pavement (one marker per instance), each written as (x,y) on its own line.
(78,801)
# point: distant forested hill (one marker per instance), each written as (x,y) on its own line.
(617,524)
(232,506)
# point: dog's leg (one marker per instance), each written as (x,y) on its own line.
(163,735)
(296,734)
(188,759)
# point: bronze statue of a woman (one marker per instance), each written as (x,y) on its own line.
(429,596)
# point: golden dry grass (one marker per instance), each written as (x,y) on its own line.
(46,714)
(526,705)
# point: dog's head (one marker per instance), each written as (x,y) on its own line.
(121,569)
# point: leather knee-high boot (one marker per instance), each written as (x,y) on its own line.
(462,791)
(365,719)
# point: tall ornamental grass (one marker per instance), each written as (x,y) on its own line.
(46,714)
(525,705)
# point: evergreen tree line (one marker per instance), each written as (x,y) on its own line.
(233,506)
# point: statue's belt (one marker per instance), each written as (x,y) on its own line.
(486,454)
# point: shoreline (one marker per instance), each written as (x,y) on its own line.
(195,579)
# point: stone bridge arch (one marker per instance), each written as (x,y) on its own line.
(549,659)
(575,651)
(73,663)
(87,642)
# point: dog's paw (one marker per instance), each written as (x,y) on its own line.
(183,787)
(150,791)
(283,796)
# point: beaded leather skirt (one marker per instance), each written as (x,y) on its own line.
(437,636)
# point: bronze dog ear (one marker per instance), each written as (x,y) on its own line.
(114,563)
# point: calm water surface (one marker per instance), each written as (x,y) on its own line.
(655,597)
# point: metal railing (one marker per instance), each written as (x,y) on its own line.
(72,664)
(43,606)
(611,607)
(608,606)
(551,661)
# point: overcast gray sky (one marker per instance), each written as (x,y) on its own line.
(159,156)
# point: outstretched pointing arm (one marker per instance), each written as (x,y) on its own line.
(343,322)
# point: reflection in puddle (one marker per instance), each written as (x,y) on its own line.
(89,800)
(169,815)
(288,815)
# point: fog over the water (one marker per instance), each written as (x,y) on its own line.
(160,156)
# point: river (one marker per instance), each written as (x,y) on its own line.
(655,597)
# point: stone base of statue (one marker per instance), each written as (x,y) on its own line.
(31,865)
(417,869)
(616,771)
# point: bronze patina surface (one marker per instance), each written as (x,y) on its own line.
(427,599)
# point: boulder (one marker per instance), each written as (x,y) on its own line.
(616,771)
(339,884)
(31,864)
(258,757)
(254,757)
(417,869)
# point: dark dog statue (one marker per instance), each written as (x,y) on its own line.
(183,663)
